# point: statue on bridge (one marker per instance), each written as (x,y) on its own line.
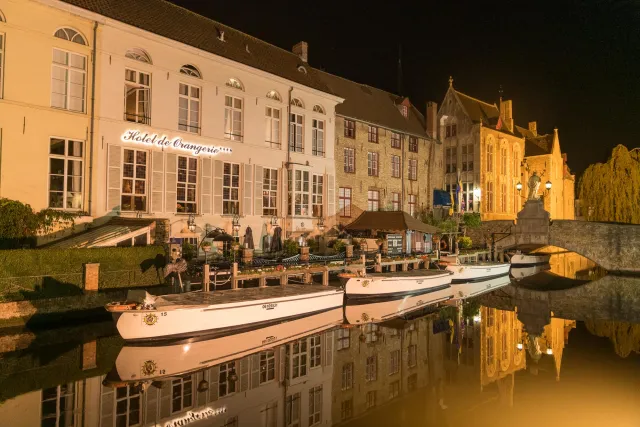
(534,184)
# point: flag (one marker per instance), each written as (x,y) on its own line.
(499,124)
(458,190)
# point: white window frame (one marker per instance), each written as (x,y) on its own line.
(412,204)
(3,38)
(394,362)
(347,376)
(373,204)
(296,132)
(68,70)
(300,356)
(315,351)
(292,410)
(395,201)
(413,169)
(230,386)
(184,383)
(128,398)
(373,163)
(231,131)
(270,192)
(272,130)
(396,140)
(343,206)
(139,88)
(231,187)
(371,371)
(301,186)
(187,185)
(71,394)
(317,137)
(344,339)
(66,158)
(317,196)
(191,99)
(315,405)
(134,178)
(349,160)
(395,166)
(267,366)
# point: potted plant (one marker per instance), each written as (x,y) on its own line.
(206,246)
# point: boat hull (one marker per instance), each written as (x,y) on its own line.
(381,311)
(385,287)
(155,362)
(465,273)
(521,260)
(479,287)
(520,272)
(167,323)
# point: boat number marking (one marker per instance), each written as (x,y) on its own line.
(365,283)
(164,313)
(269,306)
(150,319)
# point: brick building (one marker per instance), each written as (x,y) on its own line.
(386,152)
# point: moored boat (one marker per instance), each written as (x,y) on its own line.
(394,284)
(464,273)
(203,313)
(137,362)
(529,270)
(526,260)
(471,289)
(361,311)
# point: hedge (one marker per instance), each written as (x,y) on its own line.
(47,273)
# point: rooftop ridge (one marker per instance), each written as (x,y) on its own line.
(475,99)
(358,83)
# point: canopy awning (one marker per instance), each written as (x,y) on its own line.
(393,221)
(109,234)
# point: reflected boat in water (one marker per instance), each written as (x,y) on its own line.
(472,289)
(526,271)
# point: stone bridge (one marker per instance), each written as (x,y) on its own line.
(615,247)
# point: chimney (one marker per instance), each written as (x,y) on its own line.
(506,112)
(302,50)
(432,119)
(533,128)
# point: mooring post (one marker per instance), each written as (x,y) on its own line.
(363,260)
(325,276)
(234,276)
(405,266)
(205,278)
(284,279)
(378,263)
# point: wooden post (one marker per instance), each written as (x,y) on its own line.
(205,278)
(247,256)
(405,266)
(91,277)
(262,282)
(378,263)
(284,279)
(304,253)
(325,276)
(234,276)
(349,251)
(363,260)
(392,267)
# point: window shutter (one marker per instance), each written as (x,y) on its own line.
(331,196)
(244,374)
(205,186)
(107,406)
(171,182)
(257,182)
(328,348)
(245,205)
(151,407)
(282,200)
(217,186)
(114,175)
(214,374)
(157,178)
(255,370)
(282,363)
(165,399)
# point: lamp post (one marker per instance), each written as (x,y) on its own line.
(548,185)
(519,186)
(191,223)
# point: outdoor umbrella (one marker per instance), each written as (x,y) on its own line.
(276,242)
(248,238)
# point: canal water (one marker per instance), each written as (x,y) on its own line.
(558,348)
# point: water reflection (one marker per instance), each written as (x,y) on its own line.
(510,355)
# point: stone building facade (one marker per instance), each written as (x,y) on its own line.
(386,152)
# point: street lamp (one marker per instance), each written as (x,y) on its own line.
(519,346)
(321,224)
(519,186)
(548,185)
(191,223)
(236,225)
(477,193)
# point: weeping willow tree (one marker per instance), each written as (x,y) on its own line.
(624,336)
(611,191)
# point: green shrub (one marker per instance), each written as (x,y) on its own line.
(465,242)
(314,245)
(472,219)
(188,251)
(47,273)
(339,246)
(290,247)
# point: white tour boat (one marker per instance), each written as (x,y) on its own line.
(202,313)
(394,284)
(526,260)
(529,270)
(472,289)
(360,311)
(463,273)
(157,362)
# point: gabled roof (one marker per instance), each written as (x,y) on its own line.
(535,145)
(176,23)
(374,105)
(478,111)
(390,221)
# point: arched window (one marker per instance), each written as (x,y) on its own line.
(138,55)
(68,34)
(318,109)
(235,83)
(503,161)
(190,70)
(272,94)
(297,103)
(516,163)
(489,156)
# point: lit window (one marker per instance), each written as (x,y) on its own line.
(395,166)
(270,192)
(134,181)
(187,184)
(189,108)
(317,195)
(65,173)
(373,200)
(299,190)
(395,140)
(234,83)
(267,366)
(137,97)
(489,157)
(190,70)
(296,142)
(69,34)
(231,189)
(272,126)
(317,137)
(503,198)
(1,62)
(138,55)
(404,110)
(372,163)
(68,80)
(503,161)
(349,160)
(413,169)
(233,118)
(489,197)
(344,201)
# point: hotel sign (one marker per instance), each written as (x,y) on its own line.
(177,143)
(193,416)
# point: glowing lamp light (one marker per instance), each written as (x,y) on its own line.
(519,346)
(477,192)
(476,318)
(236,223)
(186,348)
(519,186)
(191,223)
(548,185)
(549,351)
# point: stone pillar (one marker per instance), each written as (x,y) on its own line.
(91,277)
(284,279)
(392,267)
(378,263)
(163,230)
(304,253)
(262,282)
(89,350)
(205,278)
(349,251)
(325,276)
(405,266)
(247,256)
(307,278)
(234,276)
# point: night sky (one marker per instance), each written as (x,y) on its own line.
(566,64)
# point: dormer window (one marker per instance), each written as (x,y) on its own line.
(404,110)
